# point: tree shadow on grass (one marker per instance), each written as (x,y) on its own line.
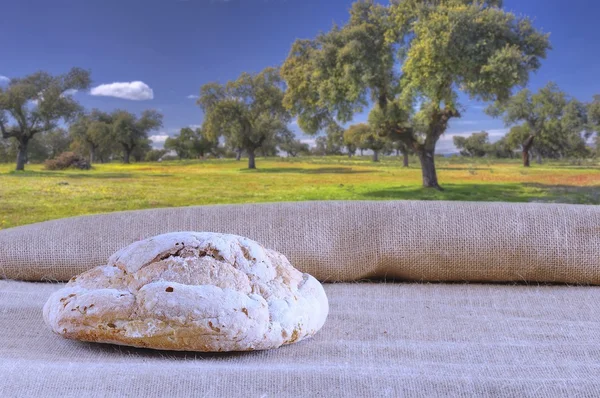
(321,170)
(463,167)
(81,175)
(62,174)
(514,192)
(27,173)
(570,193)
(108,176)
(571,166)
(102,176)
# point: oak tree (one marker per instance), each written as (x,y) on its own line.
(131,132)
(364,137)
(594,120)
(36,104)
(247,112)
(191,143)
(288,143)
(475,145)
(94,132)
(547,122)
(444,47)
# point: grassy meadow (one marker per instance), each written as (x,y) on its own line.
(38,195)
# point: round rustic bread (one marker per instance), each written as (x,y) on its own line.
(191,291)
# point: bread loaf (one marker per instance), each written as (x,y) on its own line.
(191,291)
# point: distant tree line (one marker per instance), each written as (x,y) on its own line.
(406,63)
(547,124)
(33,109)
(119,135)
(34,105)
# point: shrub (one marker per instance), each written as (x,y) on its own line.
(67,160)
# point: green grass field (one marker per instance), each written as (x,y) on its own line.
(37,195)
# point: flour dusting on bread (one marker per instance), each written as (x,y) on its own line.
(191,291)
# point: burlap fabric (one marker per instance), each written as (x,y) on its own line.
(392,340)
(380,340)
(343,241)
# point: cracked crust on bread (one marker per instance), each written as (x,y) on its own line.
(191,291)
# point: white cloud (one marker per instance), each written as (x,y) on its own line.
(69,93)
(159,139)
(310,141)
(137,91)
(592,139)
(36,102)
(4,79)
(192,96)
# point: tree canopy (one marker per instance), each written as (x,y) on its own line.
(364,137)
(594,120)
(548,121)
(94,132)
(475,145)
(502,149)
(131,132)
(247,112)
(190,143)
(327,145)
(37,103)
(288,143)
(444,47)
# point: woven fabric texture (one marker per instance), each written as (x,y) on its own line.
(342,241)
(381,340)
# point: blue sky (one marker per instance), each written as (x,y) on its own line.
(175,46)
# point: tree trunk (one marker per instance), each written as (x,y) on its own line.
(92,155)
(426,150)
(428,169)
(238,155)
(251,159)
(405,159)
(22,156)
(126,156)
(526,148)
(376,156)
(526,157)
(361,152)
(538,158)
